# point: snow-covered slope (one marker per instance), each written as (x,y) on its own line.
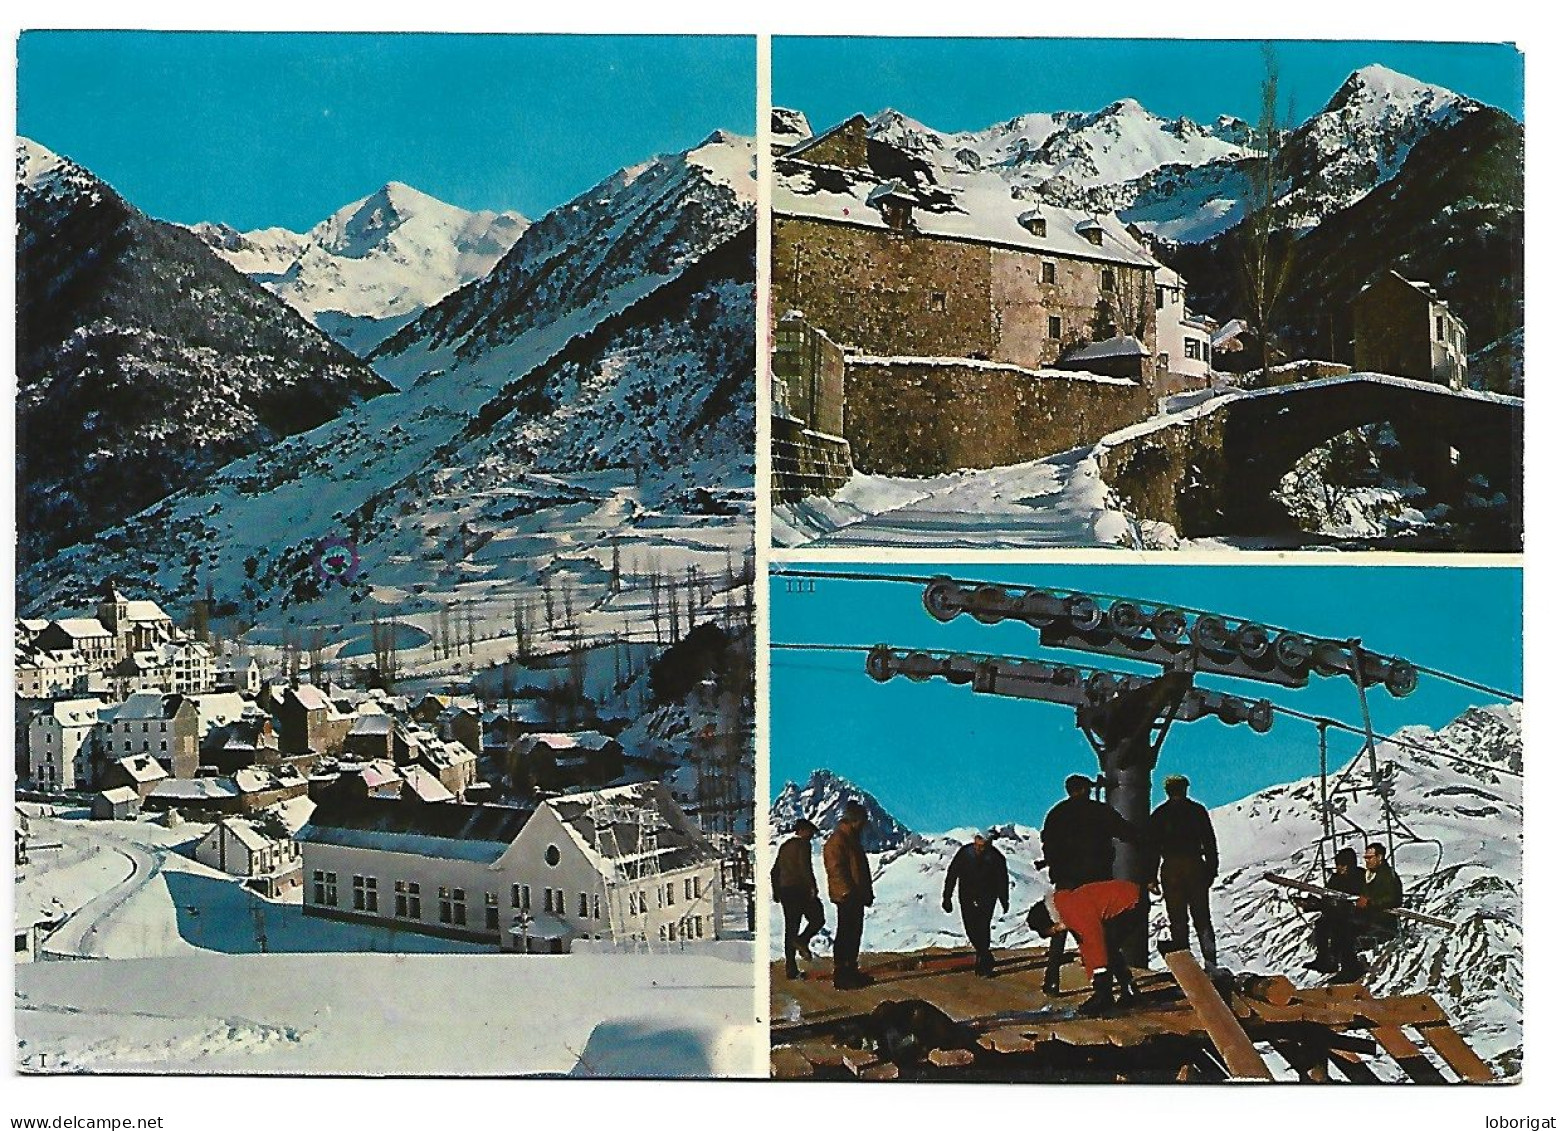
(143,360)
(371,266)
(583,413)
(1458,843)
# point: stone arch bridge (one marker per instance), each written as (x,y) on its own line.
(1211,471)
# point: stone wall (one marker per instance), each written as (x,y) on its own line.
(935,415)
(809,366)
(1174,474)
(806,462)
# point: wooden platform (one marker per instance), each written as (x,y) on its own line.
(1182,1029)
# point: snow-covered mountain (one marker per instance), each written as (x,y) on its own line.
(1065,151)
(374,264)
(583,415)
(1458,844)
(821,800)
(1361,139)
(1179,179)
(143,360)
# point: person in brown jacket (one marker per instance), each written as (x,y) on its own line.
(794,886)
(849,888)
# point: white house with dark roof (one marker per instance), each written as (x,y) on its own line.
(239,847)
(59,743)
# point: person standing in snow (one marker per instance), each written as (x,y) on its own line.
(850,889)
(978,873)
(1186,855)
(1099,916)
(1078,838)
(794,886)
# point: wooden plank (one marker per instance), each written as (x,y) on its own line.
(1354,1070)
(1344,897)
(857,1060)
(1274,989)
(884,1070)
(1239,1055)
(791,1064)
(1006,1040)
(1407,1055)
(1411,1009)
(1455,1051)
(951,1058)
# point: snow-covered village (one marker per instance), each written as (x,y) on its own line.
(1125,328)
(386,595)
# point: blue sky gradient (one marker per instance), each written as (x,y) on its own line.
(966,84)
(939,756)
(268,129)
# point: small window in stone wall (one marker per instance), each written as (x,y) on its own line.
(938,301)
(1106,279)
(1046,272)
(1054,326)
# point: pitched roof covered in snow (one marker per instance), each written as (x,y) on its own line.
(625,811)
(977,205)
(453,830)
(1123,346)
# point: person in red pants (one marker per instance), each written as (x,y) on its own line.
(1098,915)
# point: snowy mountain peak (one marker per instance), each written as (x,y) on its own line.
(374,263)
(1382,84)
(822,799)
(40,169)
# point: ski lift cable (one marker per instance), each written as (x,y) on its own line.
(844,575)
(1317,720)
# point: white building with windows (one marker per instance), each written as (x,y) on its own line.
(1185,340)
(59,743)
(621,864)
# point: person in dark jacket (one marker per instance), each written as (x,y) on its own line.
(1336,930)
(1078,837)
(978,873)
(794,886)
(850,889)
(1186,855)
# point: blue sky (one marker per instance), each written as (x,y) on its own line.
(283,129)
(939,756)
(964,84)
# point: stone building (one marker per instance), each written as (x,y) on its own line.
(917,312)
(1404,328)
(912,267)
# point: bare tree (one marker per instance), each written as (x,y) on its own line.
(1267,238)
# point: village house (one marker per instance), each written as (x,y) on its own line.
(241,673)
(561,761)
(42,674)
(1185,340)
(85,637)
(164,726)
(140,772)
(240,847)
(309,723)
(1404,328)
(887,258)
(620,864)
(122,803)
(60,743)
